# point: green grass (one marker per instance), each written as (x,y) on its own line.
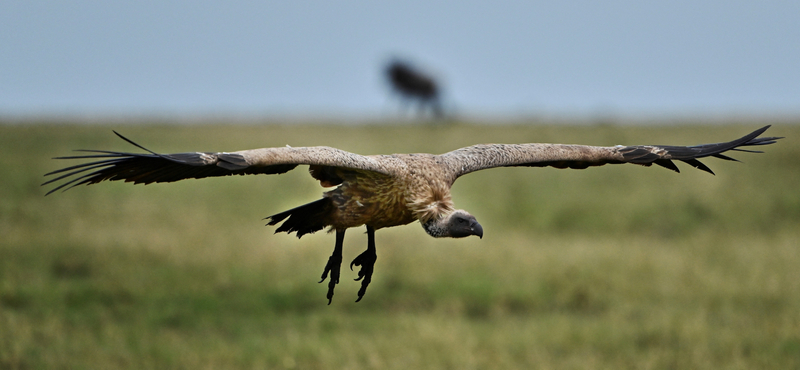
(612,267)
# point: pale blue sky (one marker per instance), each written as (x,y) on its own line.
(326,57)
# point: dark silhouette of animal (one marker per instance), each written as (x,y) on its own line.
(412,84)
(378,191)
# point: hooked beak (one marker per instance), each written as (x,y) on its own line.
(476,229)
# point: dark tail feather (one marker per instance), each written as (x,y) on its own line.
(306,219)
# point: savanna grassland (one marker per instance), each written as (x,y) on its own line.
(617,267)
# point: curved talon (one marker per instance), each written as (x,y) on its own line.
(331,285)
(334,265)
(364,285)
(367,262)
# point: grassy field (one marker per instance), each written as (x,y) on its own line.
(618,267)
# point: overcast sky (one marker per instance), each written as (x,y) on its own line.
(327,57)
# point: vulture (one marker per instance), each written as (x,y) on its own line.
(378,191)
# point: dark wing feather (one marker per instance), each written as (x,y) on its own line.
(478,157)
(150,167)
(664,154)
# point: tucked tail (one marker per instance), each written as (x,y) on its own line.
(306,219)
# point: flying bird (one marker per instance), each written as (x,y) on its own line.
(378,191)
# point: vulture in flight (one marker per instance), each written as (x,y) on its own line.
(378,191)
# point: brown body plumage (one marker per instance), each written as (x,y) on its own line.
(381,190)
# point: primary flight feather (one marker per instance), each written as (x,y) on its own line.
(378,190)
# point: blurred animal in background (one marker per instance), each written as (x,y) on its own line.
(380,191)
(413,85)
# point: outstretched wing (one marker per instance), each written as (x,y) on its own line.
(150,167)
(478,157)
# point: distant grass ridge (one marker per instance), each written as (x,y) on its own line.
(613,267)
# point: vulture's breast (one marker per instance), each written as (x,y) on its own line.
(370,199)
(383,201)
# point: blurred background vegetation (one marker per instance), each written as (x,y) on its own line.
(610,267)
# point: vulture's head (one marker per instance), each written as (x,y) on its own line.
(458,224)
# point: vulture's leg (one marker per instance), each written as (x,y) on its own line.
(334,264)
(367,262)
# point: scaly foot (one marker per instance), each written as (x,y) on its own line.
(367,262)
(334,267)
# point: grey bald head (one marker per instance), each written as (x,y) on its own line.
(459,224)
(462,224)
